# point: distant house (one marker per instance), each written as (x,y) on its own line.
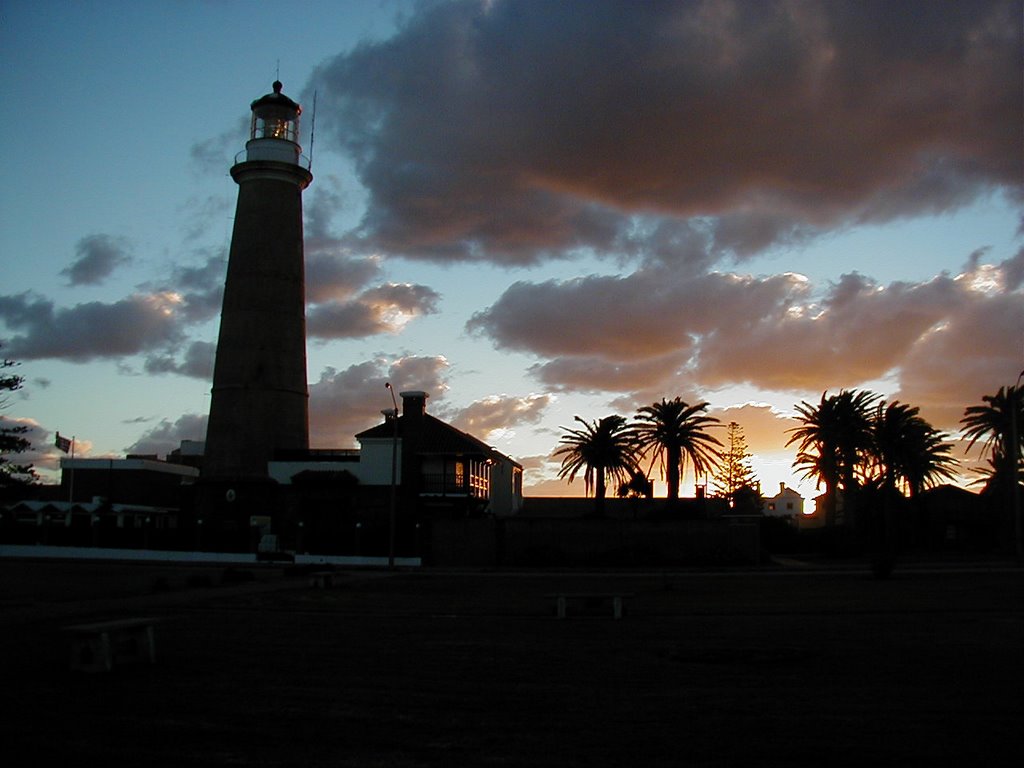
(787,503)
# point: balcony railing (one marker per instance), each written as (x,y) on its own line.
(440,484)
(301,160)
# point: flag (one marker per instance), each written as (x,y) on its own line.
(63,443)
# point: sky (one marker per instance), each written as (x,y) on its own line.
(531,210)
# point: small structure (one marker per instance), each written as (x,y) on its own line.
(97,647)
(787,504)
(135,479)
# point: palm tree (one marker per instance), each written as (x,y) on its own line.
(1001,423)
(930,462)
(906,450)
(998,422)
(604,450)
(906,453)
(833,438)
(674,431)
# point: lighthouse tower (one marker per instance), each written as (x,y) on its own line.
(259,403)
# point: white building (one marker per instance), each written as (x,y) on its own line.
(787,503)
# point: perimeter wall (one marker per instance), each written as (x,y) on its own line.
(574,542)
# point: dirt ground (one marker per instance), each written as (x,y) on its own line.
(775,667)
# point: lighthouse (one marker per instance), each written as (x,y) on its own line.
(259,406)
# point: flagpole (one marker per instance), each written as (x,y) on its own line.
(71,478)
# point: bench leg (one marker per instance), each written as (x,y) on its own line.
(92,654)
(561,606)
(106,651)
(151,644)
(617,607)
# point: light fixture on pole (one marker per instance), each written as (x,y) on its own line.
(394,464)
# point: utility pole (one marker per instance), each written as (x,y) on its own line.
(394,477)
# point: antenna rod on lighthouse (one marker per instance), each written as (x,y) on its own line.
(312,132)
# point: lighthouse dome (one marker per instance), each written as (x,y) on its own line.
(274,134)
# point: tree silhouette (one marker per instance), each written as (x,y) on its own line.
(906,451)
(1000,422)
(639,486)
(833,437)
(11,437)
(603,450)
(996,422)
(734,469)
(673,431)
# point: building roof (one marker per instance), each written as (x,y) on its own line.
(437,438)
(276,99)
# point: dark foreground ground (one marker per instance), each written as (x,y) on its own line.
(777,667)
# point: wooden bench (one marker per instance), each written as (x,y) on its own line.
(321,579)
(97,647)
(587,599)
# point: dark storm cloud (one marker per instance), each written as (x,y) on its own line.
(90,330)
(516,130)
(96,258)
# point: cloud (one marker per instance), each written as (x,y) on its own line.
(623,319)
(975,352)
(515,131)
(499,413)
(196,363)
(858,332)
(90,330)
(384,309)
(96,258)
(593,373)
(343,403)
(763,427)
(42,454)
(200,286)
(331,277)
(214,155)
(167,435)
(946,340)
(208,215)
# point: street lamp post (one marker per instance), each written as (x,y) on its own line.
(394,471)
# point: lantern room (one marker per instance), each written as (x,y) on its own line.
(274,133)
